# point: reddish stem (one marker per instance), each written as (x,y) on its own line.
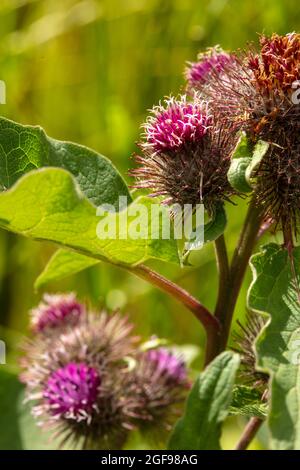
(208,321)
(249,433)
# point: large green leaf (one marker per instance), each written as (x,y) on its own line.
(47,204)
(62,264)
(18,428)
(274,292)
(25,148)
(65,263)
(207,406)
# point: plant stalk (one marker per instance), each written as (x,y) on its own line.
(208,321)
(224,277)
(230,279)
(217,327)
(239,264)
(249,433)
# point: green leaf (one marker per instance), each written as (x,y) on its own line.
(259,152)
(273,291)
(237,175)
(243,162)
(48,205)
(25,148)
(240,160)
(246,401)
(207,406)
(212,230)
(215,227)
(19,429)
(62,264)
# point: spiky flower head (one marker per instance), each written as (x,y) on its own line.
(277,66)
(256,97)
(162,383)
(184,159)
(179,123)
(210,63)
(79,382)
(244,340)
(167,364)
(92,383)
(71,391)
(56,311)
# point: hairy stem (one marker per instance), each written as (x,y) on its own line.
(208,321)
(214,341)
(249,433)
(239,266)
(223,268)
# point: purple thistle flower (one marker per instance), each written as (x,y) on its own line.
(85,391)
(161,379)
(167,364)
(56,311)
(178,123)
(184,158)
(72,390)
(213,61)
(79,381)
(255,95)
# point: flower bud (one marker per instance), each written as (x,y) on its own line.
(209,66)
(244,340)
(161,380)
(256,96)
(56,311)
(79,381)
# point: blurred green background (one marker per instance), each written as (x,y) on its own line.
(87,71)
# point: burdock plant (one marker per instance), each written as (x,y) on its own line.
(256,94)
(79,380)
(162,384)
(56,311)
(232,136)
(185,158)
(210,63)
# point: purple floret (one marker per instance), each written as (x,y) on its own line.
(72,390)
(168,364)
